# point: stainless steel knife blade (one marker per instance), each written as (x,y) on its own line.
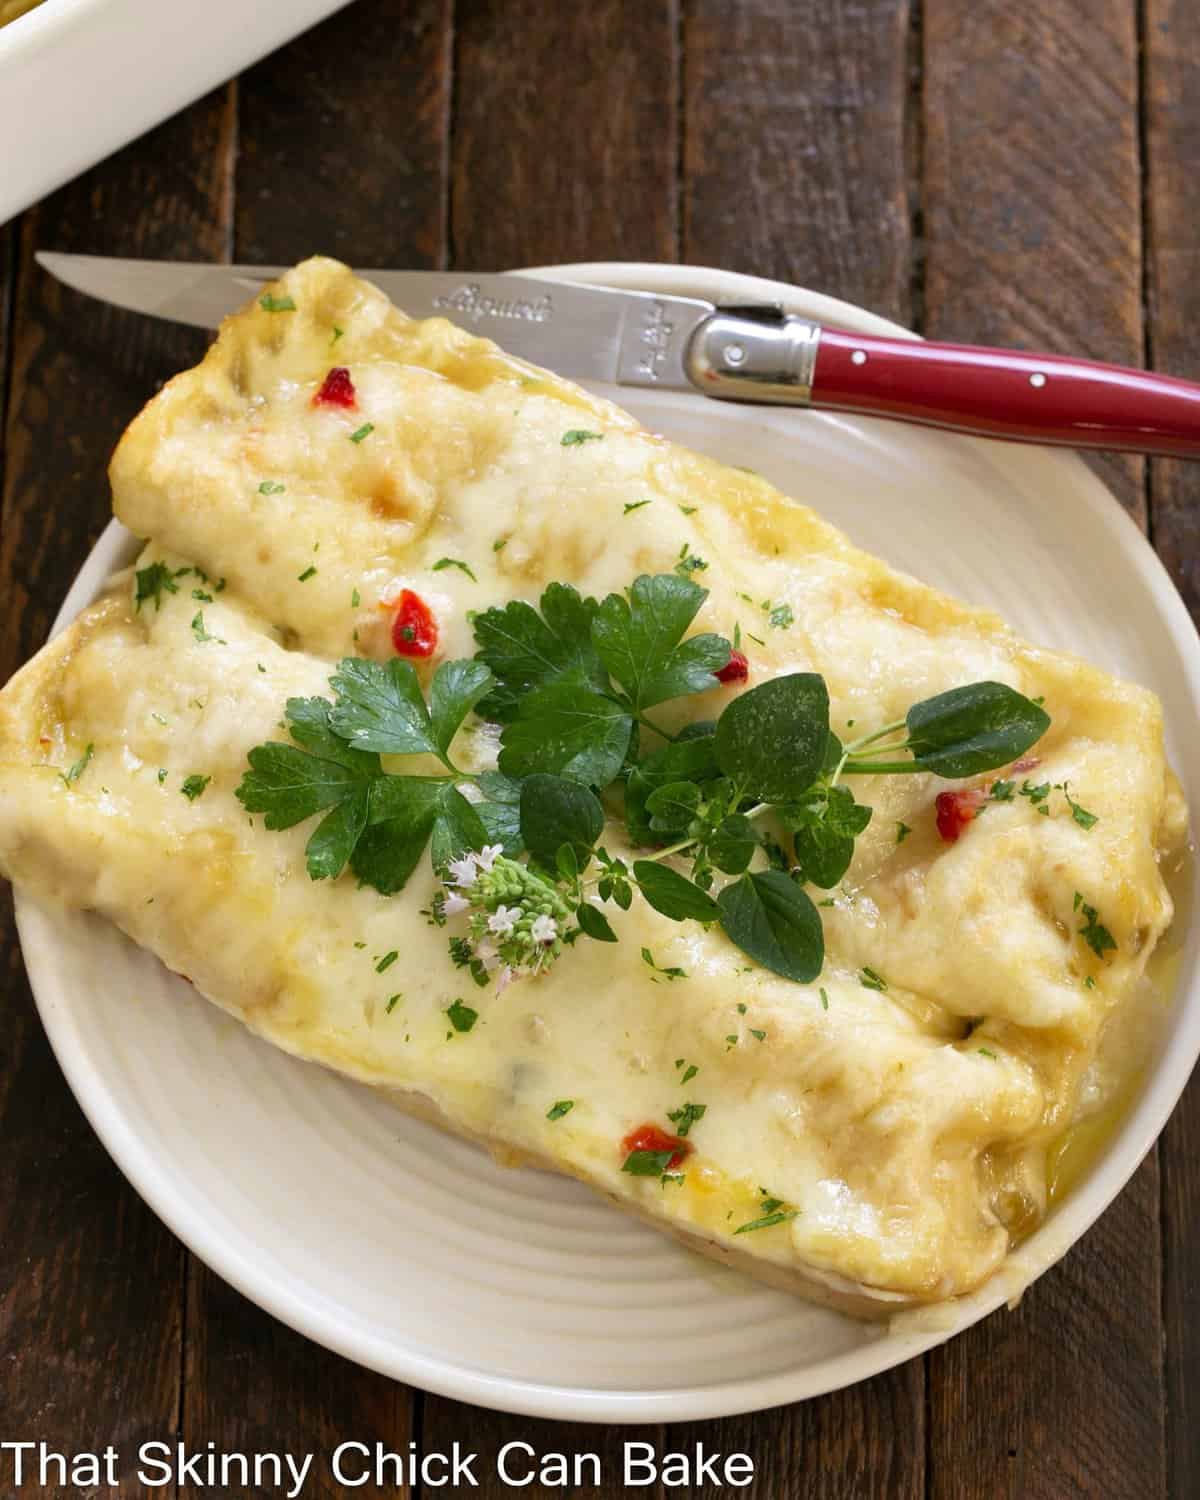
(584,332)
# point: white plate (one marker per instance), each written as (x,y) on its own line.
(79,78)
(413,1253)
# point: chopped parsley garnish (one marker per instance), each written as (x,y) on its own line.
(870,980)
(689,510)
(824,999)
(902,832)
(562,1107)
(687,563)
(759,1036)
(337,334)
(669,973)
(1002,791)
(162,775)
(193,786)
(689,1072)
(201,634)
(393,1001)
(499,544)
(686,1116)
(1037,795)
(355,599)
(365,430)
(454,562)
(200,594)
(462,1017)
(72,775)
(780,616)
(1081,815)
(647,1163)
(271,487)
(386,961)
(578,436)
(774,1213)
(270,303)
(635,505)
(1094,933)
(309,572)
(152,581)
(986,1052)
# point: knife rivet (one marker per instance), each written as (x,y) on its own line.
(1037,380)
(735,354)
(858,357)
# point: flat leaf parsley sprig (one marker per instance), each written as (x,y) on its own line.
(758,795)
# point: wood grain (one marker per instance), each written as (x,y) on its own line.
(253,1386)
(1031,198)
(343,140)
(797,145)
(1031,212)
(565,132)
(90,1282)
(1172,135)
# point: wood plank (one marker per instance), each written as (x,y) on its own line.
(565,132)
(90,1282)
(1031,213)
(796,145)
(253,1386)
(564,148)
(343,140)
(812,186)
(1172,117)
(1032,185)
(358,110)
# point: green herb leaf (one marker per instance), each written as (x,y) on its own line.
(457,687)
(454,562)
(689,759)
(364,431)
(647,1163)
(528,650)
(870,980)
(271,487)
(1085,819)
(767,1221)
(732,846)
(673,894)
(72,775)
(199,631)
(401,815)
(381,707)
(151,582)
(973,729)
(640,640)
(563,1107)
(672,807)
(557,811)
(568,731)
(635,505)
(594,923)
(270,303)
(685,1117)
(578,436)
(1094,933)
(770,919)
(772,740)
(500,811)
(194,786)
(457,828)
(462,1017)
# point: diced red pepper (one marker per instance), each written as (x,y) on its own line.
(414,629)
(956,809)
(653,1138)
(736,669)
(337,389)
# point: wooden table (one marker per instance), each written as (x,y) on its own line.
(1020,174)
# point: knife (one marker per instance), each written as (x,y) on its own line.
(747,353)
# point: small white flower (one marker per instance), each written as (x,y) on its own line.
(504,979)
(463,871)
(486,953)
(503,920)
(544,929)
(454,903)
(487,855)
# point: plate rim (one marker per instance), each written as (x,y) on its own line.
(446,1377)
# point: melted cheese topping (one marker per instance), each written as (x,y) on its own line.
(908,1127)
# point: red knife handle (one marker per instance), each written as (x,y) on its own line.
(762,355)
